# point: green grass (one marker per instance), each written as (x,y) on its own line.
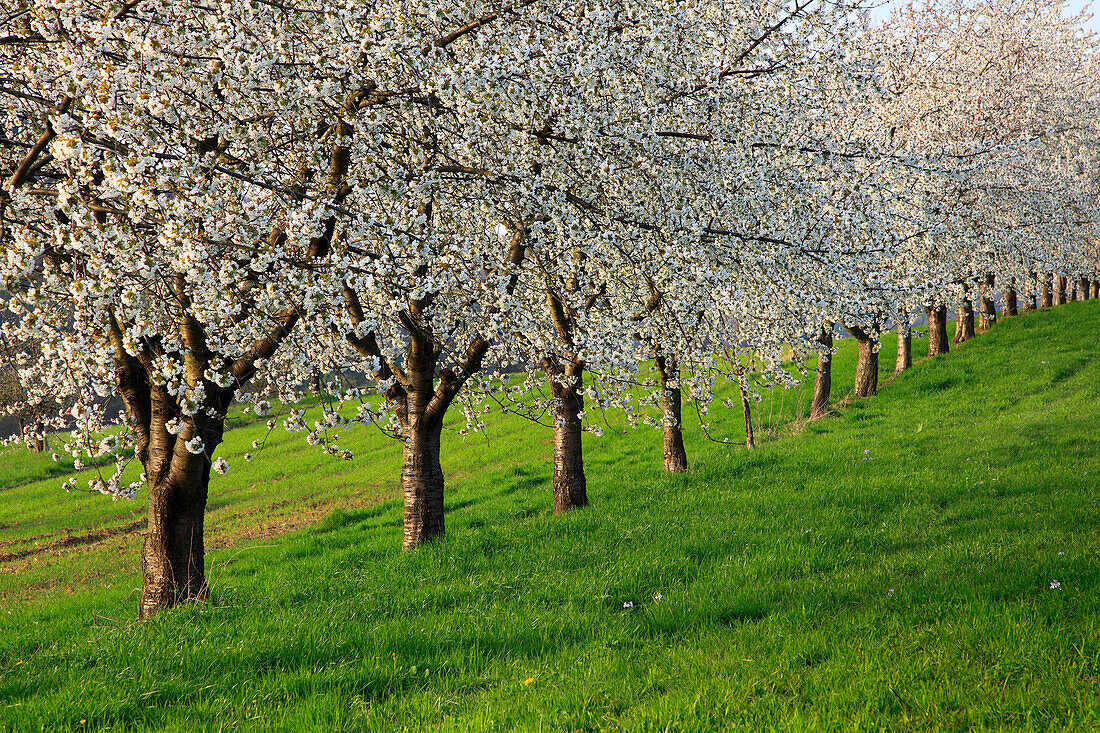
(888,567)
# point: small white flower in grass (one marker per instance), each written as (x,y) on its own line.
(890,592)
(1055,585)
(194,445)
(628,604)
(221,466)
(658,597)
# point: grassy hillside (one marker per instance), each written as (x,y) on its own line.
(890,566)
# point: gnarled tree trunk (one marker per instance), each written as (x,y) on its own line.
(866,380)
(569,482)
(823,377)
(937,330)
(674,452)
(987,314)
(964,321)
(905,349)
(173,555)
(1060,296)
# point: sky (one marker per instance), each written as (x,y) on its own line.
(1072,7)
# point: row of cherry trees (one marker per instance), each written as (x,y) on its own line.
(507,205)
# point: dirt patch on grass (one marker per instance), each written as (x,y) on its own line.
(67,552)
(69,540)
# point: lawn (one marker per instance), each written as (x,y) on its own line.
(924,560)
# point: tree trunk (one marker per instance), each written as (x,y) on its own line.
(422,484)
(823,378)
(964,322)
(35,436)
(937,330)
(1060,290)
(1096,287)
(173,555)
(1048,293)
(315,382)
(905,349)
(421,472)
(1084,288)
(569,482)
(746,408)
(866,381)
(1011,301)
(987,315)
(674,452)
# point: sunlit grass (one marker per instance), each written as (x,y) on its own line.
(887,567)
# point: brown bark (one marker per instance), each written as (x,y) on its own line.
(1096,287)
(746,408)
(35,436)
(422,482)
(964,322)
(674,452)
(905,349)
(1011,303)
(1084,287)
(937,330)
(866,379)
(987,314)
(823,377)
(1060,296)
(173,554)
(569,482)
(1048,293)
(421,473)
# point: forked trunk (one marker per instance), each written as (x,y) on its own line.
(937,330)
(173,555)
(988,309)
(964,322)
(905,349)
(1048,293)
(674,452)
(866,380)
(746,408)
(823,378)
(1060,296)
